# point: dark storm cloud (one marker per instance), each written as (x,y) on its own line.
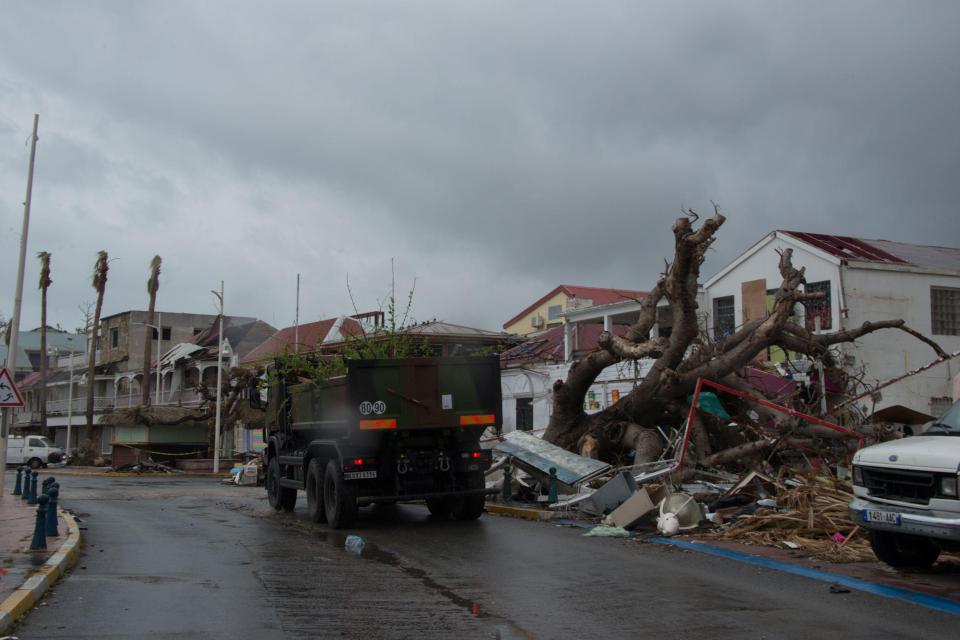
(493,149)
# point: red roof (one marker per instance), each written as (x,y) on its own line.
(310,336)
(548,346)
(31,379)
(847,247)
(596,295)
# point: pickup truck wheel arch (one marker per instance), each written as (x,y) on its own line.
(35,463)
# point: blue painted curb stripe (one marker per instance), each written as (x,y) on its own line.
(923,599)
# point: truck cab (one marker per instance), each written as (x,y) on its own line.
(906,494)
(390,430)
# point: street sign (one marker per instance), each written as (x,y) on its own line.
(9,394)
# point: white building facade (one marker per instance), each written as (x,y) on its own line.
(863,280)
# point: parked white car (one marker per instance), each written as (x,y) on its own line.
(35,451)
(906,494)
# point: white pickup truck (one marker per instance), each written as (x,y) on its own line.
(906,494)
(35,451)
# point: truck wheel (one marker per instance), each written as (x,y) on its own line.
(469,507)
(900,550)
(315,509)
(339,498)
(440,507)
(35,463)
(279,497)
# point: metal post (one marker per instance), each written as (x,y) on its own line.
(39,542)
(507,475)
(70,407)
(18,487)
(5,414)
(32,498)
(53,494)
(552,492)
(216,432)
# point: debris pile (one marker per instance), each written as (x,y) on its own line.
(810,515)
(146,466)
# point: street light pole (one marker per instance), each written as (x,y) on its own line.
(70,405)
(216,431)
(14,327)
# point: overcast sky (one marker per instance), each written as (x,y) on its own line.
(493,150)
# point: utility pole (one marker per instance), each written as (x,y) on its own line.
(15,321)
(216,432)
(296,322)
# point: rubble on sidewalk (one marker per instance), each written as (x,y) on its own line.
(145,466)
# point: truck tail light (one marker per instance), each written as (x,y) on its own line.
(483,418)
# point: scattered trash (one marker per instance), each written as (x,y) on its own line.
(354,544)
(838,537)
(790,545)
(684,508)
(838,588)
(668,524)
(610,496)
(608,532)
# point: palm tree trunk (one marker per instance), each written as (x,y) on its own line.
(153,284)
(100,284)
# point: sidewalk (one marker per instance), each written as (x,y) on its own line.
(25,575)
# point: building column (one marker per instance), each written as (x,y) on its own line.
(567,342)
(607,323)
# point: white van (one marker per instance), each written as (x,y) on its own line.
(35,451)
(906,494)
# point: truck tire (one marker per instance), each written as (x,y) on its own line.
(900,550)
(35,463)
(469,507)
(440,507)
(279,497)
(315,510)
(339,498)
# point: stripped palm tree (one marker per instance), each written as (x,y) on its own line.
(153,284)
(100,284)
(45,282)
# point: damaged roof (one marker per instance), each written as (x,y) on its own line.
(882,251)
(547,346)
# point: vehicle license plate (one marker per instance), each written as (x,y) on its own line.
(359,475)
(884,517)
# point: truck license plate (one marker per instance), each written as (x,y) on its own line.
(359,475)
(884,517)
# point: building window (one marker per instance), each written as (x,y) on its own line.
(165,333)
(818,308)
(723,317)
(553,313)
(945,311)
(524,414)
(114,337)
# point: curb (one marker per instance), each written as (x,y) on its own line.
(520,512)
(29,593)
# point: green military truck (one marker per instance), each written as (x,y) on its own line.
(390,430)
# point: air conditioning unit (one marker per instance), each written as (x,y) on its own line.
(536,321)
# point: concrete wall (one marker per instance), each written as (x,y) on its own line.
(874,294)
(523,326)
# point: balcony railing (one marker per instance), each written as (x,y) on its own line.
(179,398)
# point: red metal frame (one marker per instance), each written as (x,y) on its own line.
(694,407)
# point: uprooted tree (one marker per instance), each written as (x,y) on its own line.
(688,353)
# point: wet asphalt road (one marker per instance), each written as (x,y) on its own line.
(187,558)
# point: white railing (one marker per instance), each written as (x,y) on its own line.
(178,398)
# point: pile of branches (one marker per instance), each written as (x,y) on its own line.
(808,515)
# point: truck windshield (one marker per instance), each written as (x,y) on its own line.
(947,425)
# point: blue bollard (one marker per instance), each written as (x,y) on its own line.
(39,542)
(26,484)
(45,485)
(552,495)
(507,476)
(52,529)
(18,487)
(32,498)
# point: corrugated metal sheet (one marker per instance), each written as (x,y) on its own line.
(539,455)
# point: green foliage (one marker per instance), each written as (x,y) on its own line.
(392,340)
